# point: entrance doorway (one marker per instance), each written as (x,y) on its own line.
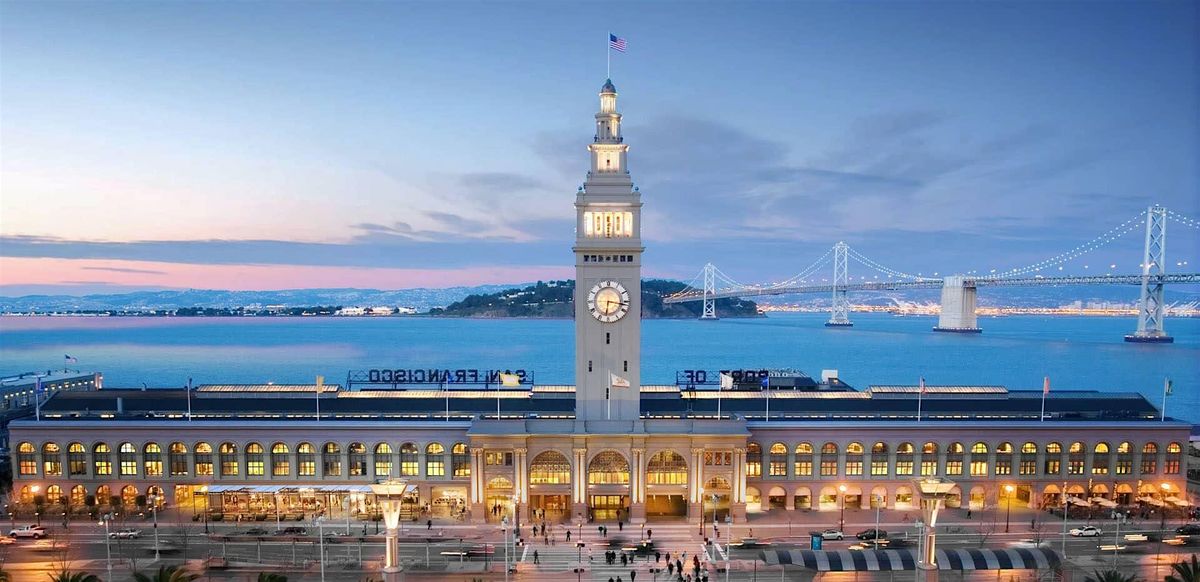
(666,506)
(608,507)
(557,507)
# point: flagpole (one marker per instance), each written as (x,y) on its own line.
(920,397)
(37,398)
(608,54)
(320,385)
(189,399)
(1166,392)
(1045,390)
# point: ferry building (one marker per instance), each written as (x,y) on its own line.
(607,448)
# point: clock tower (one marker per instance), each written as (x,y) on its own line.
(608,277)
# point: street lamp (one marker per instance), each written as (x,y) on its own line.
(1008,512)
(204,492)
(320,521)
(702,511)
(104,519)
(389,495)
(842,517)
(154,511)
(1166,487)
(933,491)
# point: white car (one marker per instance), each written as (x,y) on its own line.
(36,532)
(832,534)
(1086,532)
(125,534)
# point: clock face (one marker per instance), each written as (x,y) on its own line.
(608,301)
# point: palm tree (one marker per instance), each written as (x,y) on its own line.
(1185,571)
(69,576)
(1111,576)
(271,577)
(166,574)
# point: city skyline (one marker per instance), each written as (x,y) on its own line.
(389,146)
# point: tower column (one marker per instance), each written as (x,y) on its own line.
(478,509)
(580,480)
(695,493)
(637,478)
(1150,305)
(737,502)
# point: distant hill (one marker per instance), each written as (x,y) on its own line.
(421,299)
(553,299)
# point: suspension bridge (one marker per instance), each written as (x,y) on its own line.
(959,292)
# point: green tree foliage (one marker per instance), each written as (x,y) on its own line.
(69,576)
(166,574)
(1185,571)
(1110,576)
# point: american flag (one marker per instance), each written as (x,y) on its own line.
(616,43)
(70,360)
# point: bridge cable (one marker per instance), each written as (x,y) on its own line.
(1094,244)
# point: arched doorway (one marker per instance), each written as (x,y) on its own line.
(904,498)
(550,486)
(1124,494)
(777,498)
(954,498)
(608,483)
(666,485)
(854,497)
(716,497)
(978,498)
(753,500)
(829,499)
(499,495)
(1052,496)
(802,499)
(879,496)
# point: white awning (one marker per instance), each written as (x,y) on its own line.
(1151,501)
(1078,501)
(1104,502)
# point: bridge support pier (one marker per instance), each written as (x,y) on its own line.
(1150,305)
(958,306)
(710,289)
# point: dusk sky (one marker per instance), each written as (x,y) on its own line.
(258,145)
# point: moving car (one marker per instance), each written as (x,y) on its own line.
(1087,531)
(291,531)
(870,534)
(832,534)
(255,531)
(125,534)
(36,532)
(4,541)
(1188,529)
(47,546)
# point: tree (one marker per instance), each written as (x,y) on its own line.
(271,577)
(166,574)
(69,576)
(1111,576)
(1185,571)
(90,502)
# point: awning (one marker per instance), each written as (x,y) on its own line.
(1078,501)
(887,560)
(1178,501)
(1151,501)
(1103,502)
(270,489)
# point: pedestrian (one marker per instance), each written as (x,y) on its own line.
(633,576)
(568,534)
(429,525)
(600,529)
(670,568)
(620,526)
(610,579)
(657,555)
(624,559)
(536,559)
(968,514)
(649,534)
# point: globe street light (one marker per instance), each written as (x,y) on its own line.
(389,495)
(1008,512)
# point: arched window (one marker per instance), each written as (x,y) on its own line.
(670,468)
(829,460)
(1100,459)
(410,460)
(331,460)
(281,463)
(753,460)
(1004,459)
(127,458)
(608,468)
(177,459)
(78,496)
(929,459)
(306,460)
(54,495)
(204,459)
(804,460)
(854,459)
(104,495)
(954,459)
(51,460)
(778,461)
(102,459)
(152,463)
(435,460)
(1124,458)
(383,459)
(229,461)
(256,465)
(549,468)
(129,495)
(26,495)
(1171,465)
(1149,459)
(27,459)
(460,460)
(1053,464)
(904,459)
(76,459)
(358,459)
(1076,457)
(879,459)
(979,460)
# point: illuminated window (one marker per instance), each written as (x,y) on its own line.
(1100,459)
(608,468)
(954,459)
(609,224)
(383,458)
(1004,459)
(879,459)
(127,458)
(331,460)
(754,460)
(435,460)
(204,460)
(1171,466)
(76,459)
(979,462)
(410,464)
(460,461)
(929,460)
(854,459)
(256,465)
(550,468)
(904,460)
(177,459)
(829,460)
(804,460)
(227,453)
(358,459)
(1124,458)
(152,462)
(306,460)
(26,459)
(51,460)
(1053,464)
(668,468)
(1076,458)
(281,463)
(778,460)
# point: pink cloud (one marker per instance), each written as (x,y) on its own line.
(41,271)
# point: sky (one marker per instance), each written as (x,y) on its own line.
(261,145)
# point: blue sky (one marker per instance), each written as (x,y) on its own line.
(274,145)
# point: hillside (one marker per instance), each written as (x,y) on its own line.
(553,299)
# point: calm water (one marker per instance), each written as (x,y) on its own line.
(1076,352)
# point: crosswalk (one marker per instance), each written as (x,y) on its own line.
(559,562)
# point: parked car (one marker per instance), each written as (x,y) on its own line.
(292,531)
(1188,529)
(1031,543)
(125,534)
(832,534)
(36,532)
(870,534)
(1086,531)
(256,531)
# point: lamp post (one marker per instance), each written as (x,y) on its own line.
(203,491)
(933,491)
(154,511)
(504,533)
(389,495)
(702,512)
(1008,489)
(320,521)
(104,519)
(1162,522)
(842,517)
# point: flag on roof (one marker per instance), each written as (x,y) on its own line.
(617,381)
(70,360)
(510,380)
(1045,385)
(616,43)
(924,390)
(726,381)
